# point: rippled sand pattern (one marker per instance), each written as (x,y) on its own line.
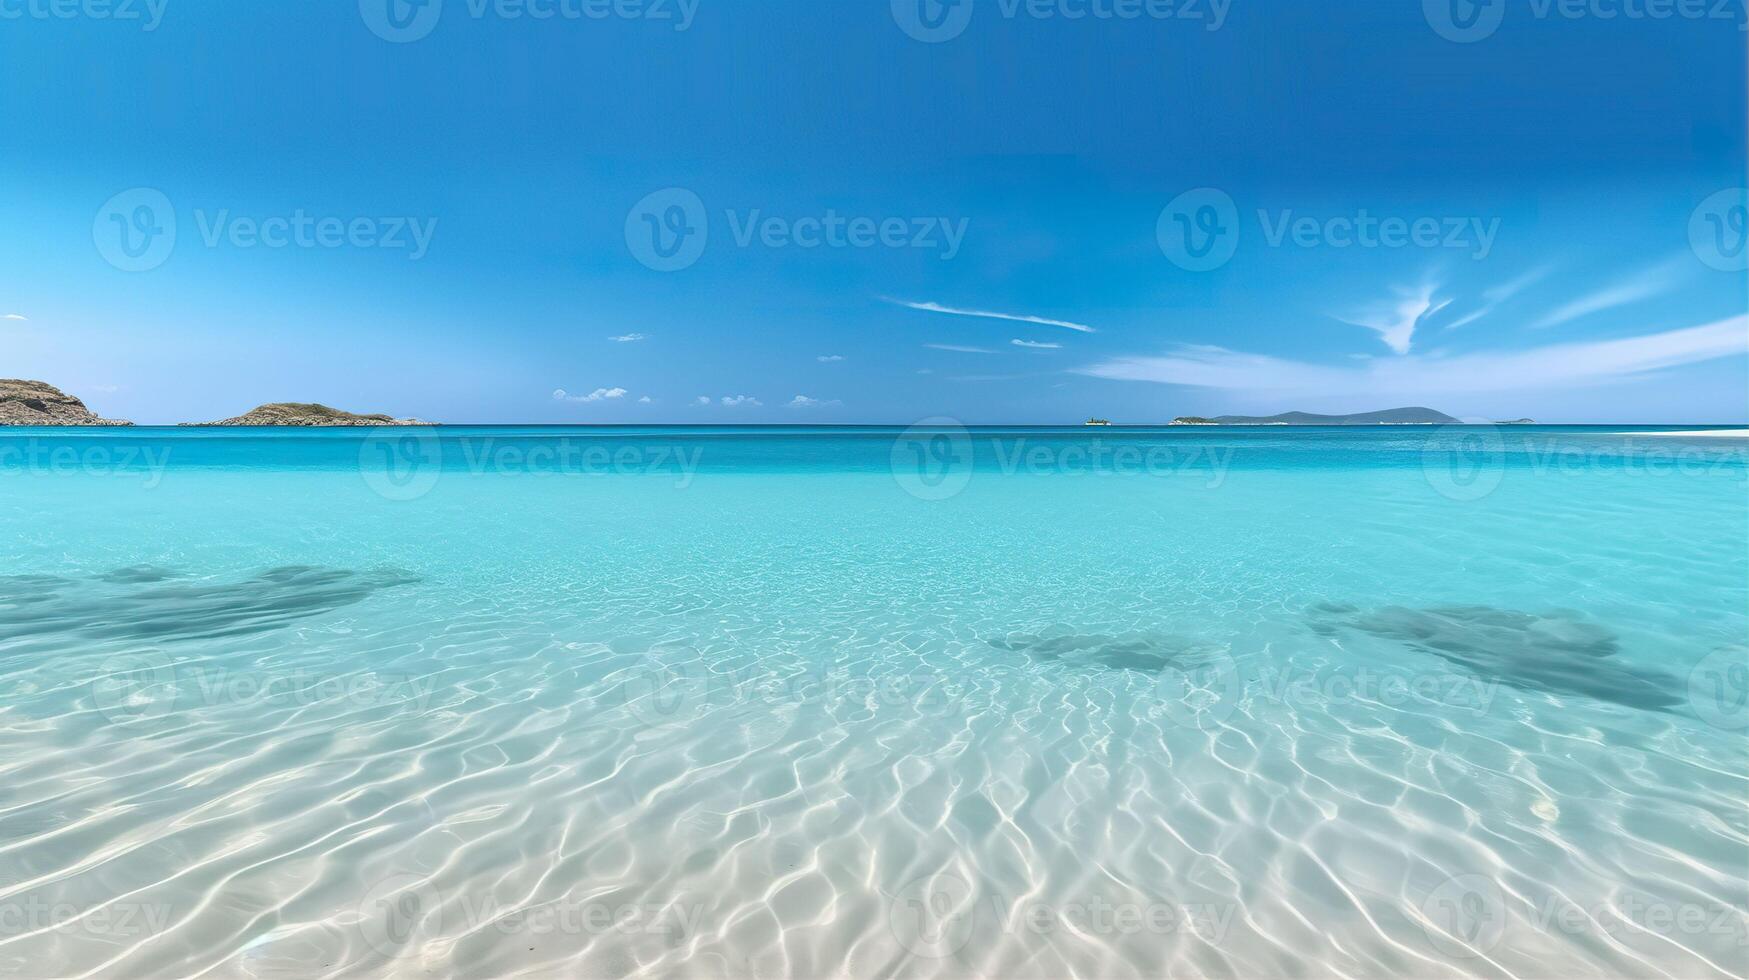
(581,728)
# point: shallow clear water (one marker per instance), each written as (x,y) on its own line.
(869,702)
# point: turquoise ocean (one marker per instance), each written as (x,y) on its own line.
(1397,701)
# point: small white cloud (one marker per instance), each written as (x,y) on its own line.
(1395,319)
(739,401)
(646,400)
(599,394)
(829,358)
(16,316)
(1035,345)
(702,401)
(987,315)
(803,401)
(628,338)
(958,349)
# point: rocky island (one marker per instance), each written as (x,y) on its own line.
(36,403)
(307,414)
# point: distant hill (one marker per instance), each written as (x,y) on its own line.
(307,414)
(1394,416)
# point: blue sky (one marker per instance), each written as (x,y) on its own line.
(1544,221)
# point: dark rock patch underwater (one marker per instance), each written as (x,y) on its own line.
(1553,653)
(142,603)
(1147,652)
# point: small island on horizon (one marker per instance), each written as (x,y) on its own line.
(1393,416)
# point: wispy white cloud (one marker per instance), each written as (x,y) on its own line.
(1493,296)
(803,401)
(988,315)
(598,395)
(1512,287)
(646,400)
(1395,319)
(740,401)
(628,338)
(1534,369)
(1036,345)
(829,358)
(1645,284)
(15,316)
(702,400)
(958,349)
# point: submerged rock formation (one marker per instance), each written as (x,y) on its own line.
(308,414)
(36,403)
